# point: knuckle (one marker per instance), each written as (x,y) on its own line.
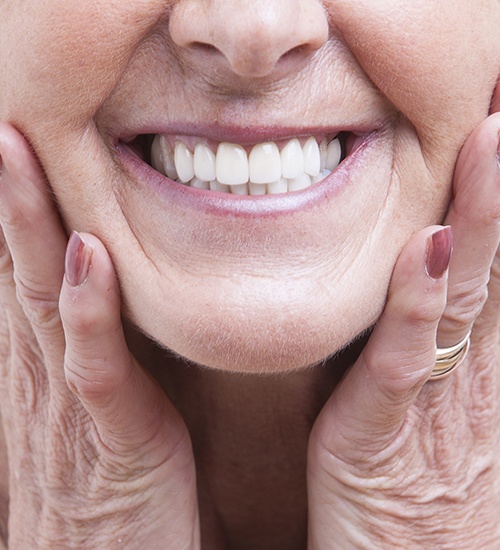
(90,379)
(399,389)
(15,219)
(465,306)
(38,304)
(84,321)
(400,385)
(86,316)
(28,378)
(399,374)
(422,314)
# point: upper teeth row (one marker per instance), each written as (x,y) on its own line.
(265,169)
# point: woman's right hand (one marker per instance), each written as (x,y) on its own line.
(98,456)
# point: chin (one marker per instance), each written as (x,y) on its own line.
(261,333)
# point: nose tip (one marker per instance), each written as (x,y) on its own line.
(256,38)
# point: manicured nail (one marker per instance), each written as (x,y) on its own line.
(78,259)
(438,256)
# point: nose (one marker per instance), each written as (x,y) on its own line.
(253,38)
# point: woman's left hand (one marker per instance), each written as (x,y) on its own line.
(400,461)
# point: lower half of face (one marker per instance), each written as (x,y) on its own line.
(257,283)
(291,270)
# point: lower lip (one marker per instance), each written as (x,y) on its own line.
(226,204)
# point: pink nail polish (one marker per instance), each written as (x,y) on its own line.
(438,256)
(78,258)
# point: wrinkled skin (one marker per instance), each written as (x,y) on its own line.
(98,456)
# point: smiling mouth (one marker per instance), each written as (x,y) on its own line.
(267,168)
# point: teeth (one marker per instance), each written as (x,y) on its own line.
(323,153)
(217,186)
(204,162)
(156,156)
(312,159)
(231,164)
(200,184)
(292,160)
(266,170)
(183,162)
(257,188)
(163,157)
(334,154)
(277,187)
(302,182)
(264,163)
(321,176)
(240,189)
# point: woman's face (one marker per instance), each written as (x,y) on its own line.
(250,282)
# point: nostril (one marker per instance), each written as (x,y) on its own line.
(252,36)
(297,51)
(204,47)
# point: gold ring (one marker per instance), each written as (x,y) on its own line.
(448,359)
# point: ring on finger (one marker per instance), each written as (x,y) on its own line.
(448,359)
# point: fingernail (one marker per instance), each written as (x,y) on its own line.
(438,255)
(78,258)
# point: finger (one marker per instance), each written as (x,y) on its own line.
(367,409)
(34,235)
(495,100)
(129,409)
(474,216)
(7,291)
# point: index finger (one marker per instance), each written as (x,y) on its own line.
(474,216)
(34,235)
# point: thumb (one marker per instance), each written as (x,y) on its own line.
(368,407)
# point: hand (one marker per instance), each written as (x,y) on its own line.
(98,457)
(396,461)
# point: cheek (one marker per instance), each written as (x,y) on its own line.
(419,55)
(69,56)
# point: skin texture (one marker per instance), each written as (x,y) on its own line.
(224,304)
(388,462)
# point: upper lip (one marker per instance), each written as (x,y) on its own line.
(244,135)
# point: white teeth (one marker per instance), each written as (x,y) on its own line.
(297,184)
(240,189)
(200,184)
(183,162)
(277,187)
(323,153)
(204,162)
(162,157)
(334,154)
(321,176)
(264,163)
(156,160)
(231,164)
(292,160)
(265,170)
(168,159)
(312,159)
(217,186)
(257,188)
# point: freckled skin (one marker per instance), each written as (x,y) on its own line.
(250,294)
